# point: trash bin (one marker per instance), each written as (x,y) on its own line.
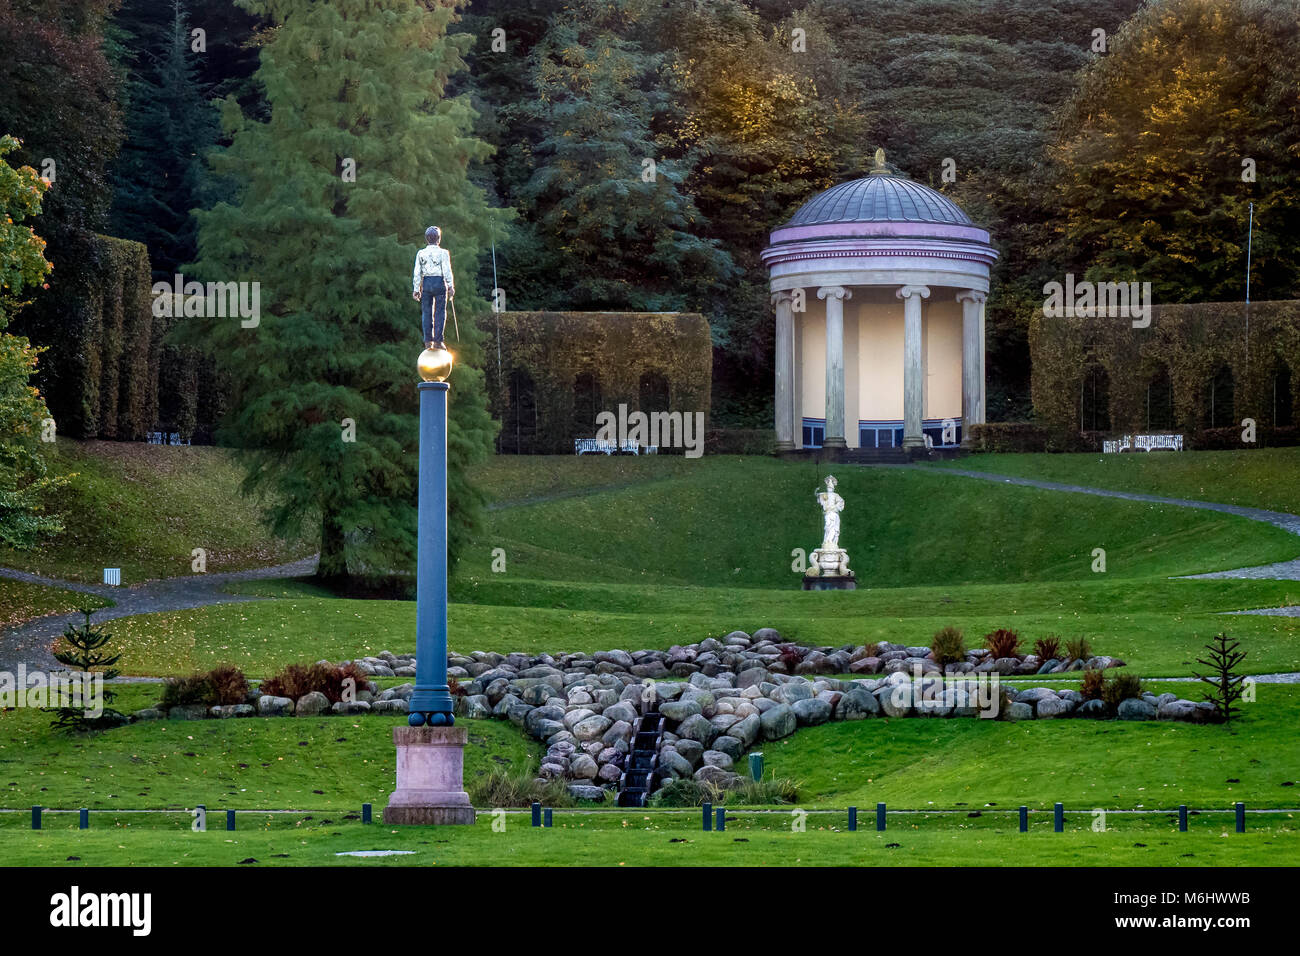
(756,766)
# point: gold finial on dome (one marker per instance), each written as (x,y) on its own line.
(880,169)
(435,365)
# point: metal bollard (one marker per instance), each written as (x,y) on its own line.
(1024,819)
(1182,818)
(537,814)
(1241,818)
(1058,818)
(36,818)
(230,819)
(721,814)
(756,766)
(83,819)
(708,816)
(880,816)
(853,819)
(546,817)
(365,813)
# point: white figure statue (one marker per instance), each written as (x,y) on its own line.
(830,560)
(831,505)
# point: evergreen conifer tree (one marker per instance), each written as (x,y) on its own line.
(361,151)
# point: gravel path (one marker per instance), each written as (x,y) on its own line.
(30,641)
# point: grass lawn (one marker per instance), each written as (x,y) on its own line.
(1158,626)
(645,553)
(1258,478)
(145,508)
(20,601)
(641,838)
(337,763)
(918,762)
(334,763)
(730,521)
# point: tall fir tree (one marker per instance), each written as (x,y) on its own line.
(169,127)
(628,233)
(350,85)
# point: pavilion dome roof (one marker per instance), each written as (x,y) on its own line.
(879,197)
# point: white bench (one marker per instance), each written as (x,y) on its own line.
(585,446)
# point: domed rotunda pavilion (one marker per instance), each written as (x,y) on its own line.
(879,287)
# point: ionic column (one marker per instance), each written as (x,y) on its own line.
(972,361)
(785,430)
(913,375)
(834,296)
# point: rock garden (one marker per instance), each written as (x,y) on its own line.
(719,698)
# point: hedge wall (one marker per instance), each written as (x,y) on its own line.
(107,371)
(557,369)
(1191,343)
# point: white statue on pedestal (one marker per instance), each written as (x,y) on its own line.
(830,560)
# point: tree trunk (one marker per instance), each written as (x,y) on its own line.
(333,564)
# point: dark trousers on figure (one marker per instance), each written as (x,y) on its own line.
(433,307)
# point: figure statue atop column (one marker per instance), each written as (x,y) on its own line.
(829,565)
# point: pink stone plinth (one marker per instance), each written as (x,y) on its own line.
(430,770)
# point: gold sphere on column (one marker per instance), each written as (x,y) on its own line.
(435,365)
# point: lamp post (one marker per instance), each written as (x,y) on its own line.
(430,750)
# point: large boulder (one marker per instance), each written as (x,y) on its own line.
(811,712)
(746,730)
(233,710)
(622,710)
(717,758)
(309,705)
(674,764)
(778,722)
(581,791)
(1093,709)
(592,728)
(857,703)
(896,699)
(200,711)
(1020,711)
(718,776)
(1136,709)
(796,690)
(1176,710)
(680,709)
(268,706)
(691,750)
(697,728)
(1048,707)
(731,746)
(751,676)
(583,767)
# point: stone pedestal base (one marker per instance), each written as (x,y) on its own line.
(828,582)
(430,772)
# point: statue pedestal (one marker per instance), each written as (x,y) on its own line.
(430,773)
(828,583)
(829,571)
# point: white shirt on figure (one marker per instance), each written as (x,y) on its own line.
(432,261)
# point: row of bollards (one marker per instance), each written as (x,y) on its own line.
(200,816)
(712,818)
(718,820)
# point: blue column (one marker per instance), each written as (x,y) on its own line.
(431,702)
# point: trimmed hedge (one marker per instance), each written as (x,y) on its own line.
(1190,342)
(559,369)
(107,372)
